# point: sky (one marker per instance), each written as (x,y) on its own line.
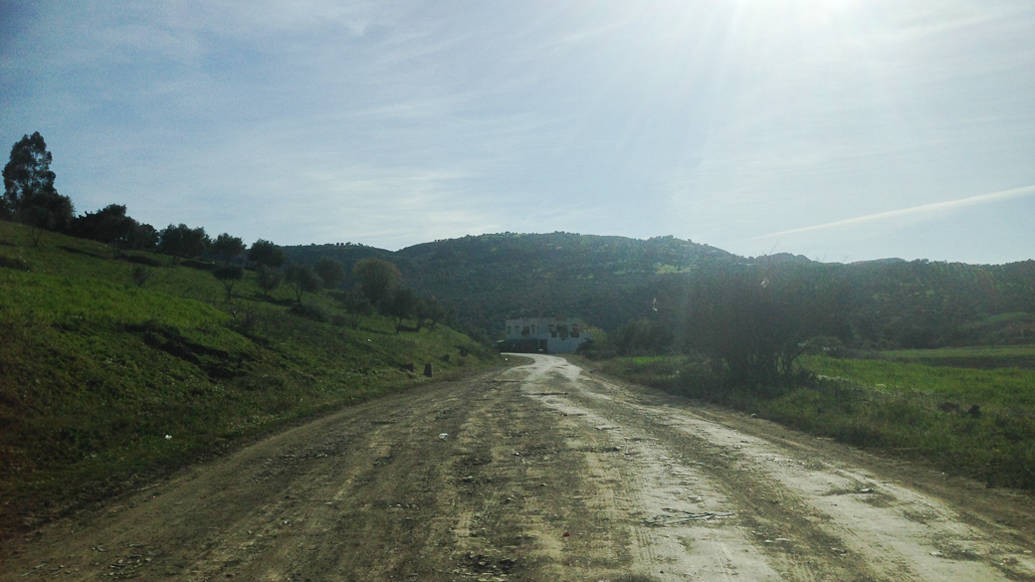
(843,130)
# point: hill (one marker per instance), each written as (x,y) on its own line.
(610,281)
(489,277)
(112,370)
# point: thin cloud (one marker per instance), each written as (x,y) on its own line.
(914,210)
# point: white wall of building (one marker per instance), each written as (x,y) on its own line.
(562,335)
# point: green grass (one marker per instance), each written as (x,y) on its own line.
(1005,356)
(1021,351)
(1010,388)
(896,407)
(104,383)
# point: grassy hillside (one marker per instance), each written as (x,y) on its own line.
(104,381)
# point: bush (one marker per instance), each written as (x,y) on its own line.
(141,274)
(199,265)
(353,301)
(350,320)
(13,263)
(312,312)
(142,260)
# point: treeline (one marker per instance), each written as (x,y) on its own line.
(375,284)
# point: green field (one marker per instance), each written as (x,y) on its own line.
(911,410)
(104,383)
(1016,356)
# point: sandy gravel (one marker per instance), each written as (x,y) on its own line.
(542,472)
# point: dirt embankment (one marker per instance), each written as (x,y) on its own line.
(542,472)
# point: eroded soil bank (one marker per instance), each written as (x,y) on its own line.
(542,472)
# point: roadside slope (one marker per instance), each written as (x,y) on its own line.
(107,379)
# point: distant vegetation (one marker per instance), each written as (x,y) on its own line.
(614,282)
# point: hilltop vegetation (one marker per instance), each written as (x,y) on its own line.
(487,278)
(108,375)
(613,281)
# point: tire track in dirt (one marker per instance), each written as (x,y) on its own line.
(877,528)
(336,497)
(685,525)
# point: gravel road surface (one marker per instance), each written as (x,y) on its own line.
(544,471)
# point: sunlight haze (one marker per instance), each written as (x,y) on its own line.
(842,130)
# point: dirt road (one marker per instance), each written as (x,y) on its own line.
(542,472)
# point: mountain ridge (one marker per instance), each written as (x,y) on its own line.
(612,280)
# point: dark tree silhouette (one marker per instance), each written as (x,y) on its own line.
(183,241)
(109,225)
(29,193)
(229,275)
(227,248)
(303,280)
(377,279)
(757,322)
(263,252)
(268,278)
(331,272)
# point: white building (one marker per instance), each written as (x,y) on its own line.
(544,334)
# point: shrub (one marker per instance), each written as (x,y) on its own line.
(141,274)
(142,260)
(353,301)
(312,312)
(13,263)
(350,320)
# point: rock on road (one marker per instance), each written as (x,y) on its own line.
(543,471)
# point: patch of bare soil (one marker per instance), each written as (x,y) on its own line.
(541,472)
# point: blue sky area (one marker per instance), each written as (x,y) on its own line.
(843,130)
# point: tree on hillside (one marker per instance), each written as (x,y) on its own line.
(227,248)
(142,237)
(377,279)
(229,275)
(430,310)
(109,225)
(303,280)
(268,278)
(183,241)
(263,252)
(402,305)
(29,193)
(331,272)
